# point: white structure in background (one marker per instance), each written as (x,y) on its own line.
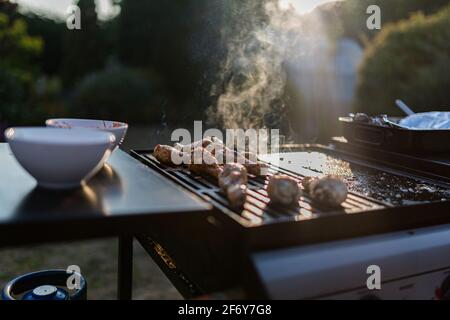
(347,58)
(324,80)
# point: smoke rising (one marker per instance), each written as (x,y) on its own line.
(262,50)
(253,78)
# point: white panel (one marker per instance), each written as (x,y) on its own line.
(320,269)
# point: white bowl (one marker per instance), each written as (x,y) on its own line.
(60,158)
(119,129)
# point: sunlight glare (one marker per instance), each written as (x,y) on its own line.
(301,6)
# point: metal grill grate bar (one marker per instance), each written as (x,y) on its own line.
(258,210)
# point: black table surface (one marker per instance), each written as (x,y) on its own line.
(124,198)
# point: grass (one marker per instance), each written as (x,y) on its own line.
(98,263)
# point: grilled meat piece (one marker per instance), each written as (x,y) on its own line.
(194,145)
(168,155)
(283,190)
(232,178)
(233,181)
(233,173)
(201,156)
(222,152)
(308,183)
(237,195)
(204,163)
(206,170)
(329,190)
(257,169)
(227,155)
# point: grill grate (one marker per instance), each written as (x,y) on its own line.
(260,226)
(257,210)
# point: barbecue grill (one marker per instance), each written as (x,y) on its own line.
(390,194)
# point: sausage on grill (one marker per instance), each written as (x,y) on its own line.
(168,155)
(283,190)
(225,154)
(194,145)
(233,181)
(329,190)
(204,163)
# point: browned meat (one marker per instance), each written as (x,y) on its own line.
(283,190)
(233,181)
(168,155)
(329,190)
(201,156)
(233,173)
(225,155)
(257,169)
(237,195)
(206,170)
(204,163)
(308,183)
(194,145)
(232,177)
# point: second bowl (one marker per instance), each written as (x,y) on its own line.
(119,129)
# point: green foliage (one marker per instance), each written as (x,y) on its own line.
(408,60)
(354,16)
(17,47)
(116,92)
(17,51)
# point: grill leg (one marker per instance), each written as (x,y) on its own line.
(125,268)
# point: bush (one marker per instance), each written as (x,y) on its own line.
(407,60)
(354,15)
(115,93)
(17,48)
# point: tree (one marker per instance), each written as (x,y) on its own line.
(17,71)
(407,60)
(114,92)
(155,36)
(354,15)
(17,47)
(177,40)
(51,32)
(83,50)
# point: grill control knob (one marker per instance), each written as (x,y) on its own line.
(445,289)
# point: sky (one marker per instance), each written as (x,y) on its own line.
(301,6)
(58,7)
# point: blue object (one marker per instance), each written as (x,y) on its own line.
(44,285)
(428,120)
(46,292)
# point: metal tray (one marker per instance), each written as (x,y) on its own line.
(396,139)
